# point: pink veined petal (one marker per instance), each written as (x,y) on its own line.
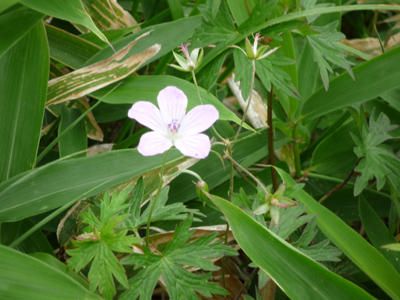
(198,119)
(172,102)
(149,115)
(152,143)
(197,145)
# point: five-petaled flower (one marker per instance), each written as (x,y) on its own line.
(172,126)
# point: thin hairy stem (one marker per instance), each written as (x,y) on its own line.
(248,100)
(246,283)
(341,185)
(296,150)
(244,177)
(247,172)
(155,199)
(227,224)
(271,140)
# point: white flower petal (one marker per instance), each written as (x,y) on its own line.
(149,115)
(152,143)
(197,145)
(198,119)
(172,102)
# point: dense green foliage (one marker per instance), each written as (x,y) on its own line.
(299,197)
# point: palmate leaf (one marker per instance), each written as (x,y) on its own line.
(377,159)
(162,212)
(99,243)
(325,50)
(180,283)
(214,28)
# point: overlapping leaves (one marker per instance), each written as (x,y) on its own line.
(102,237)
(180,283)
(161,212)
(377,159)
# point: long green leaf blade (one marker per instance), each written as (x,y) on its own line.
(297,275)
(344,91)
(25,277)
(356,248)
(24,72)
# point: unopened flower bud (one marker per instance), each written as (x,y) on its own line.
(253,52)
(192,61)
(202,185)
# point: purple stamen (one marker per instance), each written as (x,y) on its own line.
(184,49)
(174,126)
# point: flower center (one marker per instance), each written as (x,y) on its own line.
(174,126)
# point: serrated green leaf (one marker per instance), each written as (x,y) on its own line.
(102,242)
(326,50)
(377,159)
(214,28)
(243,69)
(180,283)
(268,71)
(161,212)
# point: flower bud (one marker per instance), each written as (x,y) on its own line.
(253,52)
(192,61)
(202,185)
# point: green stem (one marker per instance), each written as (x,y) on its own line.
(271,140)
(194,174)
(155,199)
(296,150)
(247,172)
(253,63)
(201,102)
(231,182)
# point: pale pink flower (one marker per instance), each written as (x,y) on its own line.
(172,126)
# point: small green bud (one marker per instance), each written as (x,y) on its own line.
(202,185)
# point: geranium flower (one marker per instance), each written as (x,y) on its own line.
(172,126)
(252,51)
(192,61)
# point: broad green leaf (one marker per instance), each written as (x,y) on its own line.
(146,88)
(69,49)
(168,35)
(354,246)
(37,242)
(376,159)
(378,233)
(56,264)
(334,154)
(60,182)
(6,4)
(176,9)
(91,78)
(69,10)
(104,236)
(393,247)
(15,25)
(297,275)
(180,283)
(75,140)
(343,91)
(25,277)
(113,35)
(24,72)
